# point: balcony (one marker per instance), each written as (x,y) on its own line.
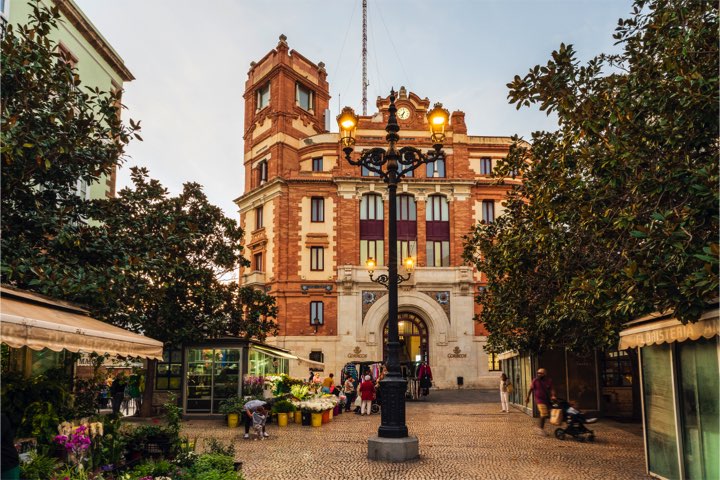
(254,278)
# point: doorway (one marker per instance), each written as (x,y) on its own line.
(413,336)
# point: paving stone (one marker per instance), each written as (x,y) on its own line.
(462,435)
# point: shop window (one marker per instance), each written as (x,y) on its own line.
(317,209)
(436,169)
(263,96)
(317,259)
(303,97)
(317,164)
(493,362)
(168,373)
(317,313)
(317,356)
(660,411)
(485,166)
(258,218)
(617,370)
(698,394)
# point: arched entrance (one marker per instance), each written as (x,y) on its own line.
(413,335)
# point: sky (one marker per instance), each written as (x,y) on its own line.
(190,61)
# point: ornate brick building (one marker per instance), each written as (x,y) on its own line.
(311,220)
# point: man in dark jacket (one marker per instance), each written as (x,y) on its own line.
(8,454)
(117,392)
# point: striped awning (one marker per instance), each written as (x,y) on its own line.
(37,322)
(658,329)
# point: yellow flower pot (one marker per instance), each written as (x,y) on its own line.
(317,419)
(282,419)
(233,419)
(298,417)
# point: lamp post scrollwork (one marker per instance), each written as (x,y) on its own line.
(392,164)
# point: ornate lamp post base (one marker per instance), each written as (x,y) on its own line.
(393,449)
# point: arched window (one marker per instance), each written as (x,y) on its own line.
(372,227)
(406,227)
(437,225)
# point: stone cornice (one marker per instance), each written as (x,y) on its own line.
(96,40)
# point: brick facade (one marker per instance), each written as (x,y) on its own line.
(286,98)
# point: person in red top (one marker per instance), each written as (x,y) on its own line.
(367,393)
(544,392)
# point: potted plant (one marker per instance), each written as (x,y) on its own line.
(232,407)
(282,408)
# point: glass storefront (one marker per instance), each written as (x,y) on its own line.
(698,389)
(213,375)
(660,410)
(682,418)
(261,363)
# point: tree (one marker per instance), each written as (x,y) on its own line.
(177,248)
(617,215)
(55,133)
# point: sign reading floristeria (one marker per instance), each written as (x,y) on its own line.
(456,353)
(356,353)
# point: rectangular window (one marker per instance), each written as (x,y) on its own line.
(317,356)
(317,258)
(316,313)
(488,211)
(485,166)
(493,362)
(317,164)
(436,169)
(438,253)
(317,209)
(168,373)
(372,249)
(405,248)
(303,97)
(258,218)
(263,96)
(258,262)
(368,173)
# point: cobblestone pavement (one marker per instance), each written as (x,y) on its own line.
(462,435)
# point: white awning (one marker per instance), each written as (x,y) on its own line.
(285,354)
(507,355)
(656,329)
(36,322)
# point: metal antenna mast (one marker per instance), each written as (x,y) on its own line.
(364,57)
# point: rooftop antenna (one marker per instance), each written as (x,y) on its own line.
(364,57)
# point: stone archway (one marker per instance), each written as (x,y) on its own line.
(413,302)
(414,339)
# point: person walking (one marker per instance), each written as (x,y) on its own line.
(349,390)
(367,393)
(543,391)
(117,393)
(251,407)
(504,393)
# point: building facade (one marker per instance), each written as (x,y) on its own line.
(311,221)
(83,46)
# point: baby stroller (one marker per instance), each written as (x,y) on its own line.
(575,423)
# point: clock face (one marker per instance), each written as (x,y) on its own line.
(403,113)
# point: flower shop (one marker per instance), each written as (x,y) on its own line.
(203,376)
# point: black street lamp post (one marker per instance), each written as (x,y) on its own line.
(397,163)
